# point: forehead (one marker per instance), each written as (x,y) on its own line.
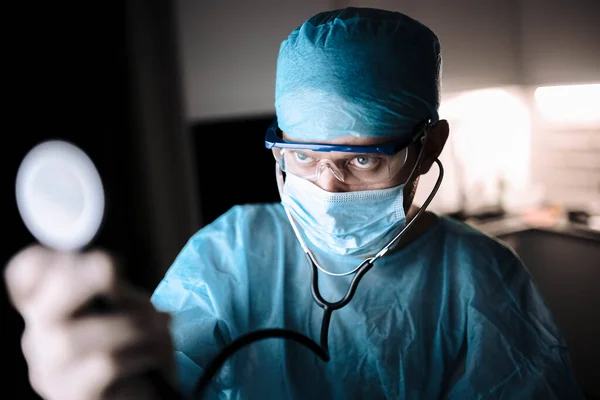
(348,140)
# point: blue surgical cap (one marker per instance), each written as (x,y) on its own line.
(357,71)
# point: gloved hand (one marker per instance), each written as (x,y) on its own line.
(73,351)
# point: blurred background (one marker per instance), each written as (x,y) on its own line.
(157,92)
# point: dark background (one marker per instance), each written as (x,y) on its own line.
(72,87)
(85,74)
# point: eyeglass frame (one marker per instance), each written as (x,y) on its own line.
(274,138)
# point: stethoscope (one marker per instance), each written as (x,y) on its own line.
(322,349)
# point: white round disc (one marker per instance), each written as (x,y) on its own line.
(60,195)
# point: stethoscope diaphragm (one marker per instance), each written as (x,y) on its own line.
(60,195)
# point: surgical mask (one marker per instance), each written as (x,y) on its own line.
(348,223)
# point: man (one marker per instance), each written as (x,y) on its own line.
(441,310)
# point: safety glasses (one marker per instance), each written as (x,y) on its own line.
(353,165)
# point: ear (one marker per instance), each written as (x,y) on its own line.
(434,144)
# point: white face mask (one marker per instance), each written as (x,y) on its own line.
(348,223)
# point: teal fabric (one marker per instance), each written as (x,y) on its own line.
(357,71)
(454,314)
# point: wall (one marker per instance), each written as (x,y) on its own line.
(559,41)
(559,45)
(566,151)
(487,157)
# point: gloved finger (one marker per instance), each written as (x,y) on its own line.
(70,282)
(24,272)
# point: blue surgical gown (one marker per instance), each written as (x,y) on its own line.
(453,315)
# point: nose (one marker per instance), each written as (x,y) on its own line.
(330,180)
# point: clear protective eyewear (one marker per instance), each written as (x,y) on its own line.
(353,165)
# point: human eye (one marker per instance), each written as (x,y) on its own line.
(302,157)
(364,161)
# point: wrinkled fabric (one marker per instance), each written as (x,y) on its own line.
(357,71)
(453,315)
